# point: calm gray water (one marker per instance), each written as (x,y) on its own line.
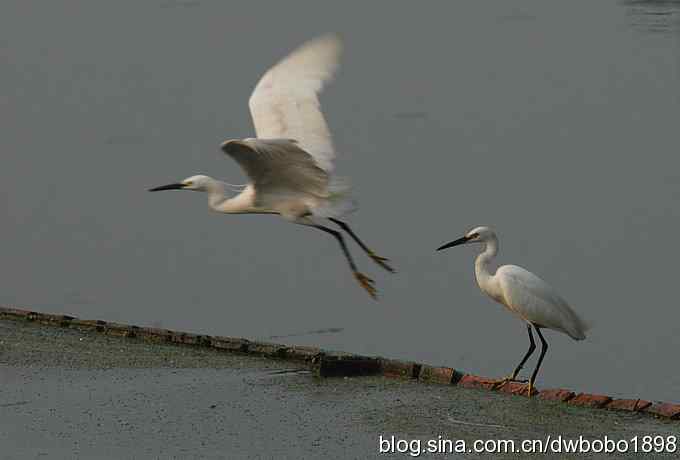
(554,122)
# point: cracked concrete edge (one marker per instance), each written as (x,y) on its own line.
(339,364)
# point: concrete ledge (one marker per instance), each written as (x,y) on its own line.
(668,410)
(229,344)
(588,400)
(272,350)
(557,394)
(475,381)
(631,405)
(445,375)
(119,330)
(304,354)
(151,334)
(517,388)
(335,364)
(345,365)
(399,369)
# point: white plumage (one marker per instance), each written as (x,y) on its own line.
(290,163)
(537,302)
(285,102)
(524,294)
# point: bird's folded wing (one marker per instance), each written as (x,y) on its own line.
(285,103)
(278,166)
(536,301)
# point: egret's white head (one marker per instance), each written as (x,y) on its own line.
(476,235)
(198,183)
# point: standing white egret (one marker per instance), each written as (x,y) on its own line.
(290,164)
(525,295)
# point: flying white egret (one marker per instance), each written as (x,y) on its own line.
(290,164)
(525,295)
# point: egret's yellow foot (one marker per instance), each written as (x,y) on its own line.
(530,389)
(366,283)
(498,384)
(382,261)
(502,382)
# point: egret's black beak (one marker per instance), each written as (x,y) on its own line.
(168,187)
(459,241)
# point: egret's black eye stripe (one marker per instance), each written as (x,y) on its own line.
(474,235)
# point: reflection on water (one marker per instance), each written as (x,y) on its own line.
(657,16)
(180,4)
(329,330)
(411,115)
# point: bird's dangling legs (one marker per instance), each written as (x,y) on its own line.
(382,261)
(364,281)
(544,348)
(513,376)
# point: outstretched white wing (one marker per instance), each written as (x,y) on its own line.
(285,103)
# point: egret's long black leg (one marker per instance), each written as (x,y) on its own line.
(341,240)
(544,348)
(382,261)
(513,376)
(363,280)
(532,347)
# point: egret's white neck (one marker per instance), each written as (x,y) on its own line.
(220,202)
(216,191)
(483,266)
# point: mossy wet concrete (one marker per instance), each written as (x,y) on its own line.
(67,393)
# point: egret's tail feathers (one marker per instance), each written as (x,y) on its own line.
(335,207)
(339,186)
(586,325)
(579,328)
(339,202)
(578,335)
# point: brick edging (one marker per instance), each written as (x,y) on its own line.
(334,364)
